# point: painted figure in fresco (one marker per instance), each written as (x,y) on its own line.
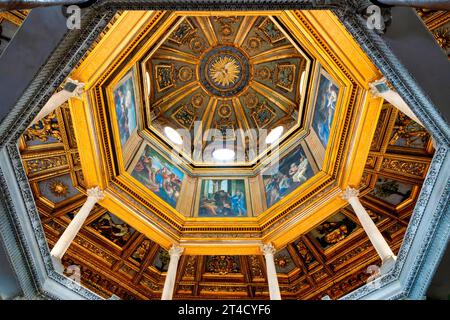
(284,184)
(122,117)
(168,185)
(222,201)
(281,184)
(170,190)
(208,207)
(329,98)
(130,107)
(125,109)
(297,171)
(273,190)
(144,167)
(238,204)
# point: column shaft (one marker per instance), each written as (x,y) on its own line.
(55,101)
(272,280)
(381,88)
(72,229)
(375,236)
(394,98)
(169,284)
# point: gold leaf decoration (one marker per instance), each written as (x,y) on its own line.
(225,71)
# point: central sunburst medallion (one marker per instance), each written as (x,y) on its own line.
(224,71)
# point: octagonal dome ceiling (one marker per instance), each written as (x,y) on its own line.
(225,70)
(225,82)
(206,84)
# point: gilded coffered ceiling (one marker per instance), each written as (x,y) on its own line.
(213,74)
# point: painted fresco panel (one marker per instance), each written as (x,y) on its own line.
(159,175)
(333,230)
(286,176)
(125,106)
(324,108)
(223,198)
(391,191)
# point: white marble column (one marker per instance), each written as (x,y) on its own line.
(63,243)
(72,89)
(381,88)
(376,238)
(274,289)
(169,284)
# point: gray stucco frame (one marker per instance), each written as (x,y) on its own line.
(20,227)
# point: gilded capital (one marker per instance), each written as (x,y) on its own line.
(95,193)
(350,193)
(268,248)
(175,251)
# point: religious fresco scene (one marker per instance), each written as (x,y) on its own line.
(286,176)
(159,175)
(222,198)
(125,103)
(191,122)
(325,106)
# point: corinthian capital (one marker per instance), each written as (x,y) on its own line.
(350,193)
(95,193)
(175,251)
(268,248)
